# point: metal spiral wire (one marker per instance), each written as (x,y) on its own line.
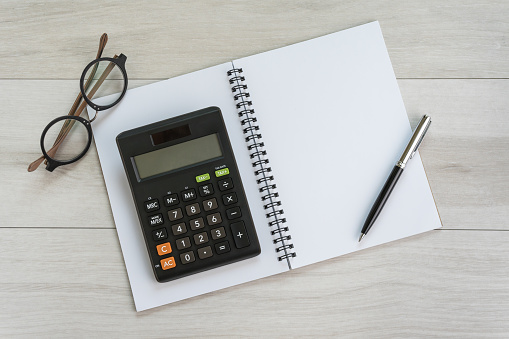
(272,204)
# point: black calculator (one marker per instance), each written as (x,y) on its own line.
(188,193)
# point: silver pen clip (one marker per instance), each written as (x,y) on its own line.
(415,141)
(420,138)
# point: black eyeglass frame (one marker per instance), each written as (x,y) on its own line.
(53,163)
(120,62)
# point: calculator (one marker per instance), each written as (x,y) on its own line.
(188,194)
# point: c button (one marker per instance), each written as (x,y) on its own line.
(164,249)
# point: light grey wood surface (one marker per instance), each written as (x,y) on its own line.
(62,272)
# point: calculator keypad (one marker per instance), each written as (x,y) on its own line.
(202,222)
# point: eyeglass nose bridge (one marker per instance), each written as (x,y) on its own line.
(95,116)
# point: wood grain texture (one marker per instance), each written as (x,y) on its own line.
(62,272)
(465,150)
(464,155)
(162,39)
(439,284)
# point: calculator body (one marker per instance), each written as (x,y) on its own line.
(188,194)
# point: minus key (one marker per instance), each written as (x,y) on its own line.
(233,213)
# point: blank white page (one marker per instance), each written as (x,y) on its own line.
(334,125)
(155,102)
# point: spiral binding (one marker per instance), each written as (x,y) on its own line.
(267,188)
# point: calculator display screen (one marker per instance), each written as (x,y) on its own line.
(178,156)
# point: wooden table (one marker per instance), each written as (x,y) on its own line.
(61,268)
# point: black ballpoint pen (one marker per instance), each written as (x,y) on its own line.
(409,152)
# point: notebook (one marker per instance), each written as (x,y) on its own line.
(333,124)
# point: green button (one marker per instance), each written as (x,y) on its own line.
(203,177)
(221,172)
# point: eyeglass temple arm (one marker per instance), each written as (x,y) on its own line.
(102,44)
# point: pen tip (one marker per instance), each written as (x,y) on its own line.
(362,236)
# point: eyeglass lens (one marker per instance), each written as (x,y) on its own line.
(65,139)
(111,81)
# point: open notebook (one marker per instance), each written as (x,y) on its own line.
(333,125)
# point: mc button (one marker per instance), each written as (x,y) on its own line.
(151,205)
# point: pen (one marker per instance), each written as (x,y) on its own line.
(409,152)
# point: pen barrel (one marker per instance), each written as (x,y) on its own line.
(382,198)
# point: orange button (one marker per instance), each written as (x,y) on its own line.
(168,263)
(164,249)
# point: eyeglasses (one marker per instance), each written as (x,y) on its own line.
(66,139)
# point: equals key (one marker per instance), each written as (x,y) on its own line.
(233,213)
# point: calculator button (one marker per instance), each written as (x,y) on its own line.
(222,247)
(188,195)
(168,263)
(240,234)
(225,184)
(210,204)
(156,220)
(193,209)
(164,249)
(203,177)
(201,238)
(152,205)
(204,252)
(221,172)
(183,243)
(175,214)
(213,219)
(159,234)
(206,190)
(196,224)
(218,233)
(171,200)
(233,213)
(186,258)
(230,198)
(179,229)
